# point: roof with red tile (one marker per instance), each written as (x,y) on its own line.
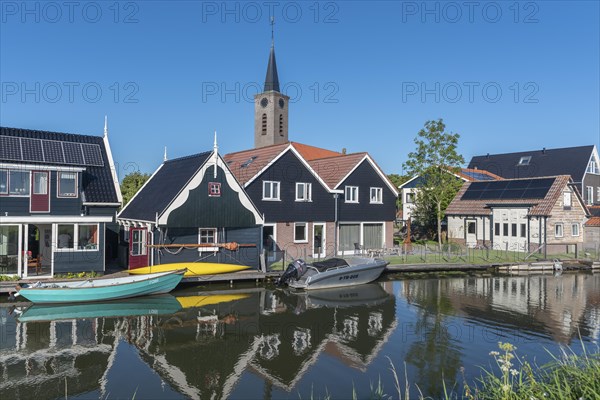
(593,222)
(333,169)
(540,206)
(312,153)
(247,163)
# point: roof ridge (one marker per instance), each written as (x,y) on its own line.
(189,156)
(363,153)
(534,151)
(50,132)
(258,148)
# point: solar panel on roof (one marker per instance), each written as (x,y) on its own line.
(73,153)
(53,152)
(32,150)
(508,190)
(10,148)
(92,154)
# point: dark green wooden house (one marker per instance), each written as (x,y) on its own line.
(193,202)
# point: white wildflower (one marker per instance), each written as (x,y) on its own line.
(514,372)
(506,388)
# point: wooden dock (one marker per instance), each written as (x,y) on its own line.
(252,275)
(439,267)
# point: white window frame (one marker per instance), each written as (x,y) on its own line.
(378,191)
(307,196)
(567,199)
(143,243)
(273,196)
(33,186)
(28,186)
(593,168)
(562,230)
(590,195)
(211,248)
(410,197)
(58,178)
(76,239)
(575,227)
(348,191)
(4,192)
(525,160)
(305,240)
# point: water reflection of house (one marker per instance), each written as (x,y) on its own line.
(552,305)
(37,360)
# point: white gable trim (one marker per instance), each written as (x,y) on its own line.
(291,148)
(376,168)
(408,181)
(139,191)
(196,180)
(113,170)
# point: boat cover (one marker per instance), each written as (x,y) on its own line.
(331,263)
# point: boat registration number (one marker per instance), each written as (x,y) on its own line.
(346,277)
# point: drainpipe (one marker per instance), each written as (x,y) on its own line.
(545,237)
(335,224)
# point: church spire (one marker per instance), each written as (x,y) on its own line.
(272,80)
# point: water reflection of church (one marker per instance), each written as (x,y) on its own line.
(202,350)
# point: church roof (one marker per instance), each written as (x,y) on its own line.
(272,80)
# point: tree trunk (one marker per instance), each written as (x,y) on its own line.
(439,225)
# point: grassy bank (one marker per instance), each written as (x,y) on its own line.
(567,376)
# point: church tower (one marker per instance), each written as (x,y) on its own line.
(271,109)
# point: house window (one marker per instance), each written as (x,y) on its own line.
(66,235)
(471,228)
(598,193)
(303,191)
(523,230)
(207,235)
(567,200)
(214,189)
(514,230)
(300,232)
(497,229)
(505,229)
(593,167)
(589,192)
(575,229)
(18,183)
(87,237)
(3,181)
(558,230)
(40,183)
(67,184)
(138,242)
(525,160)
(351,194)
(376,195)
(410,197)
(270,190)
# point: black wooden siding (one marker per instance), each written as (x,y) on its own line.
(81,261)
(244,255)
(288,170)
(201,210)
(366,177)
(19,206)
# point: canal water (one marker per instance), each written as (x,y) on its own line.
(264,343)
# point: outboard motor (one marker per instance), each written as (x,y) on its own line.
(294,271)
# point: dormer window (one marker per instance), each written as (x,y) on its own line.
(524,160)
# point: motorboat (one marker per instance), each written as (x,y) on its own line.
(335,272)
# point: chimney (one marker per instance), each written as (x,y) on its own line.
(487,155)
(344,150)
(544,150)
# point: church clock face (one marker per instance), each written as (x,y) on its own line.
(281,103)
(264,102)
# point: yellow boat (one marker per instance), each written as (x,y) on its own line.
(201,301)
(193,268)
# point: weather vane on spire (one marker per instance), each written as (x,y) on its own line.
(272,30)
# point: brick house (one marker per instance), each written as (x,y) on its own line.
(519,215)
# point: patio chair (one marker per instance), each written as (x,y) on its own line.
(35,263)
(357,249)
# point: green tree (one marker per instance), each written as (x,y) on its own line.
(131,184)
(398,180)
(435,160)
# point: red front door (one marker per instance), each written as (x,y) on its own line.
(138,251)
(40,191)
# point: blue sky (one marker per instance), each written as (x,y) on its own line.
(365,76)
